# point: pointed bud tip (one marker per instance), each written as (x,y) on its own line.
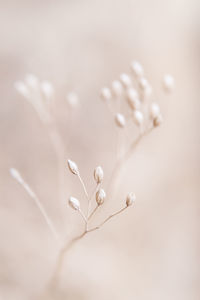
(73,167)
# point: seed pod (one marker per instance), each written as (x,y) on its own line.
(22,89)
(98,174)
(154,110)
(145,86)
(100,196)
(168,83)
(157,121)
(16,175)
(47,89)
(117,88)
(32,82)
(73,167)
(137,69)
(138,117)
(120,120)
(132,98)
(72,99)
(74,203)
(130,199)
(106,94)
(125,80)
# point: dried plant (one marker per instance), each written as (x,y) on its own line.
(129,100)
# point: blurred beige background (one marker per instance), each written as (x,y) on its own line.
(151,251)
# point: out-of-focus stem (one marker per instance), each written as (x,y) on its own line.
(60,154)
(121,161)
(37,201)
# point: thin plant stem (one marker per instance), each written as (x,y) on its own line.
(93,212)
(90,200)
(83,185)
(108,218)
(30,192)
(59,148)
(121,161)
(83,216)
(60,260)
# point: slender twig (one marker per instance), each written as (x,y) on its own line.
(65,249)
(121,161)
(83,216)
(59,148)
(93,212)
(83,185)
(60,260)
(91,197)
(16,175)
(108,218)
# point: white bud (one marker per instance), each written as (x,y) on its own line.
(100,196)
(22,89)
(130,199)
(16,175)
(98,174)
(120,120)
(106,94)
(74,203)
(73,167)
(47,89)
(125,80)
(168,82)
(32,81)
(154,110)
(72,99)
(157,121)
(138,117)
(137,69)
(117,88)
(145,86)
(132,98)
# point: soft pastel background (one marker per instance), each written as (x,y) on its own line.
(152,250)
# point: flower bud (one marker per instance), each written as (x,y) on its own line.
(32,81)
(22,89)
(74,203)
(73,167)
(16,175)
(100,196)
(130,199)
(125,80)
(137,69)
(145,86)
(120,120)
(157,121)
(168,83)
(47,89)
(106,94)
(98,174)
(72,99)
(117,88)
(154,110)
(138,117)
(132,98)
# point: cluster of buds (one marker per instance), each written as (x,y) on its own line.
(41,96)
(99,195)
(135,91)
(39,93)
